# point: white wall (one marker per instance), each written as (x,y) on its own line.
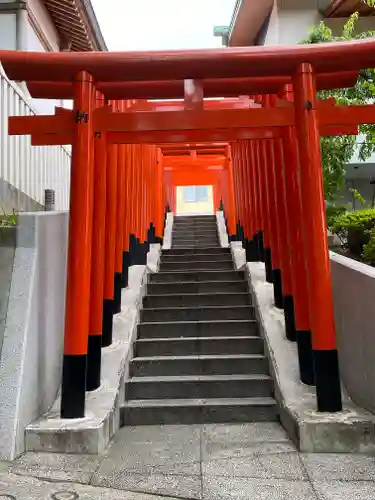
(291,20)
(30,169)
(8,27)
(31,358)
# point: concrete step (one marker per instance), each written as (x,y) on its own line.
(194,247)
(197,265)
(197,300)
(194,218)
(196,287)
(195,229)
(191,234)
(206,364)
(183,329)
(188,237)
(204,313)
(198,411)
(199,386)
(202,257)
(146,347)
(199,251)
(194,243)
(194,276)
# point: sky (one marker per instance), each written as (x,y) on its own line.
(162,24)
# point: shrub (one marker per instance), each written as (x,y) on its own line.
(353,229)
(333,212)
(7,220)
(369,248)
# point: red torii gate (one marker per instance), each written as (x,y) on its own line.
(299,124)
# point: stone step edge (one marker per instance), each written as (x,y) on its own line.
(204,321)
(198,294)
(198,357)
(150,403)
(249,338)
(171,379)
(196,308)
(225,282)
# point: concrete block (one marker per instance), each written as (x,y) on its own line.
(221,229)
(91,435)
(167,242)
(349,431)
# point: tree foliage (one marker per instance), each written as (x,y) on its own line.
(336,151)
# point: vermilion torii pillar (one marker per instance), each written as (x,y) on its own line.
(79,254)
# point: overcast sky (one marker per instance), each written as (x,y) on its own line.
(161,24)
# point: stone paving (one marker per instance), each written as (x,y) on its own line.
(209,462)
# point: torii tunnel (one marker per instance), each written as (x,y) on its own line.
(247,122)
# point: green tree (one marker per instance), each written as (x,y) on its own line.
(338,150)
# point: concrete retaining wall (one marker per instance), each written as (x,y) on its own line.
(31,358)
(354,294)
(7,250)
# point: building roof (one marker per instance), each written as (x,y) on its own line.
(76,23)
(247,19)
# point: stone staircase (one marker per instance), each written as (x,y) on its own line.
(198,357)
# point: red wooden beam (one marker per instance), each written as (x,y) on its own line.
(194,64)
(223,87)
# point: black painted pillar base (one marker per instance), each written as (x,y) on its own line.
(256,245)
(138,252)
(268,263)
(261,246)
(107,330)
(132,250)
(94,361)
(242,236)
(143,251)
(327,381)
(238,230)
(151,234)
(290,320)
(251,251)
(125,270)
(73,389)
(233,237)
(305,357)
(117,293)
(159,240)
(277,288)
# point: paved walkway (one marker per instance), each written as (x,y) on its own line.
(211,462)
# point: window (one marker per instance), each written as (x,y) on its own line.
(195,194)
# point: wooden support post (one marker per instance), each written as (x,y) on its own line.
(284,243)
(125,235)
(97,260)
(79,253)
(327,377)
(295,228)
(274,225)
(266,211)
(259,199)
(110,244)
(120,223)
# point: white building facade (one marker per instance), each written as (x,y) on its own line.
(48,26)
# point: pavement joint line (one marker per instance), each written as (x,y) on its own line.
(310,480)
(140,492)
(201,459)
